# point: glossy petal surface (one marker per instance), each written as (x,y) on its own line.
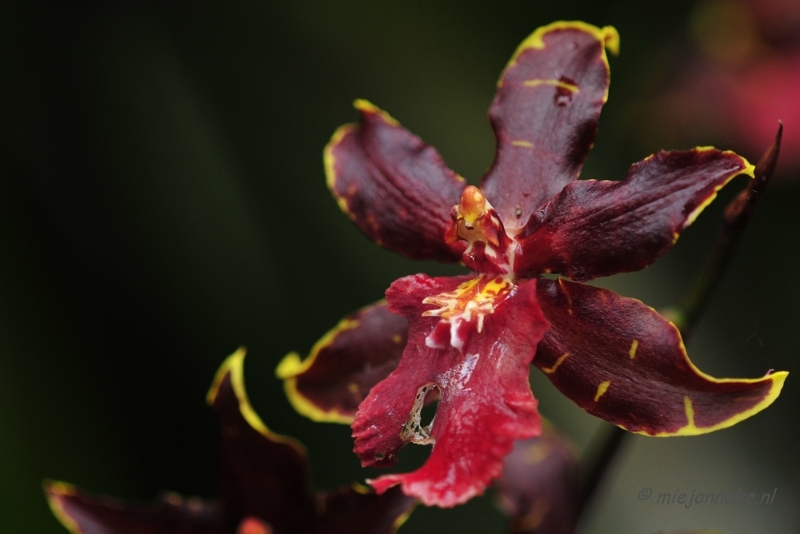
(263,474)
(395,187)
(621,361)
(539,486)
(81,513)
(485,401)
(598,228)
(343,366)
(545,115)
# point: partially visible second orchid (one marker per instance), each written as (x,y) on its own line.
(539,488)
(740,78)
(265,487)
(469,340)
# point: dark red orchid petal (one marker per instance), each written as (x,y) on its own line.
(545,115)
(598,228)
(263,474)
(395,188)
(539,486)
(357,509)
(620,360)
(343,366)
(485,401)
(81,513)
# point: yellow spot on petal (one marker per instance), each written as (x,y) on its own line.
(397,339)
(571,87)
(601,389)
(526,144)
(634,346)
(360,488)
(687,406)
(538,452)
(565,292)
(559,361)
(353,388)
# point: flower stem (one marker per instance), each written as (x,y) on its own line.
(610,440)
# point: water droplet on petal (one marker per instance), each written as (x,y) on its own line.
(563,97)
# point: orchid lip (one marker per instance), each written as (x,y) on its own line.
(465,309)
(490,253)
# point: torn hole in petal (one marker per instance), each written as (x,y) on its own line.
(415,430)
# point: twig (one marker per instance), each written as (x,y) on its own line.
(737,215)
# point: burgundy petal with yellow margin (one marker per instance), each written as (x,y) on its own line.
(262,474)
(539,485)
(395,188)
(343,366)
(545,115)
(266,487)
(599,228)
(265,475)
(620,360)
(485,400)
(81,513)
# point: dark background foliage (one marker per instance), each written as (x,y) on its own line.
(162,202)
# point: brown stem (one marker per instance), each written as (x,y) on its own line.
(737,215)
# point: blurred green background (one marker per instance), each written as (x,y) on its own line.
(162,202)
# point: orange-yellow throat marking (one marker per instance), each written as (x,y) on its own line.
(470,302)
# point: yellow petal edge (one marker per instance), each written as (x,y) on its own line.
(690,429)
(292,365)
(607,35)
(233,366)
(55,490)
